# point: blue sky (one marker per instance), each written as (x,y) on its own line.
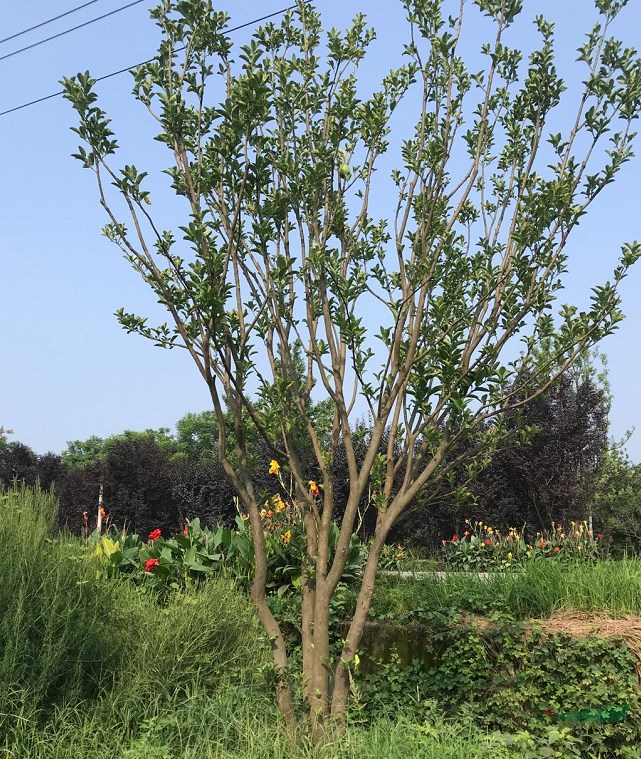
(68,371)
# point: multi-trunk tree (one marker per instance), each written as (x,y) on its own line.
(424,315)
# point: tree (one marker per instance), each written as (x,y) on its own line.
(19,462)
(617,501)
(281,248)
(93,450)
(553,477)
(3,438)
(549,477)
(197,435)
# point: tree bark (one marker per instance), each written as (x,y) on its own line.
(340,691)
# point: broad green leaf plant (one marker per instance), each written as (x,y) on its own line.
(413,314)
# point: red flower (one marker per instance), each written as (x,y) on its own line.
(488,542)
(454,538)
(542,544)
(599,536)
(185,530)
(444,542)
(150,565)
(556,549)
(313,488)
(154,534)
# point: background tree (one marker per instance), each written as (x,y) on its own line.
(617,502)
(550,476)
(197,436)
(94,449)
(280,248)
(3,437)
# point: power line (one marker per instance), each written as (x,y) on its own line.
(48,21)
(68,31)
(142,63)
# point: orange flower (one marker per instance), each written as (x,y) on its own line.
(286,536)
(542,544)
(102,512)
(274,467)
(313,488)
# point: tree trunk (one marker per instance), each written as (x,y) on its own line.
(284,699)
(340,691)
(319,705)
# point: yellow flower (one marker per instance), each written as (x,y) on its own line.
(274,467)
(244,517)
(286,536)
(279,504)
(263,513)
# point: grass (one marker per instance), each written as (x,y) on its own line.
(204,727)
(95,668)
(51,610)
(544,587)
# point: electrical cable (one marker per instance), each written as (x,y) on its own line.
(142,63)
(48,21)
(68,31)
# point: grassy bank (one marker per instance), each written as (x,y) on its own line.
(538,591)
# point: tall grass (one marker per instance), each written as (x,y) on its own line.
(51,610)
(612,587)
(205,727)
